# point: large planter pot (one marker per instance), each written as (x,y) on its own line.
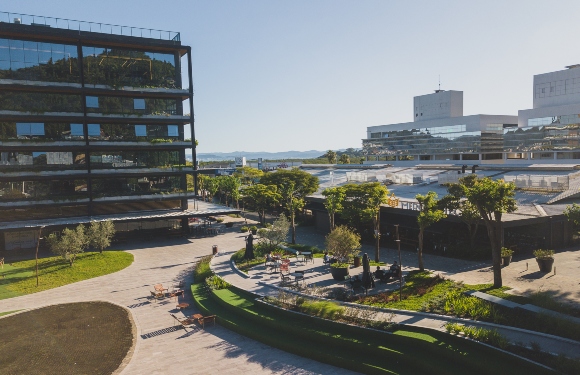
(229,224)
(506,260)
(254,232)
(545,264)
(338,273)
(356,262)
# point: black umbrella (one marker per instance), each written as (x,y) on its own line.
(249,247)
(367,278)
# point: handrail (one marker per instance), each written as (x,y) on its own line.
(98,27)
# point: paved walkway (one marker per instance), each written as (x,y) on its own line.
(163,348)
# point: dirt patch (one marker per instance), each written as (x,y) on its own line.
(73,338)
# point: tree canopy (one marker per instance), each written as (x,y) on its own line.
(333,202)
(362,203)
(294,185)
(492,198)
(261,197)
(429,214)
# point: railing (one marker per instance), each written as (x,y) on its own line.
(97,27)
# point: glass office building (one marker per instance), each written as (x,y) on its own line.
(92,121)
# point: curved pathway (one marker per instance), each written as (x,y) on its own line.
(161,347)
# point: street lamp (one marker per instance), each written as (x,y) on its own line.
(37,245)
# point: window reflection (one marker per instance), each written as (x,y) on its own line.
(39,102)
(131,133)
(41,160)
(12,131)
(144,185)
(36,61)
(134,159)
(120,67)
(41,190)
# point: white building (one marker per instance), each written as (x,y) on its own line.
(548,133)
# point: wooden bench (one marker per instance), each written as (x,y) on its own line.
(203,319)
(184,322)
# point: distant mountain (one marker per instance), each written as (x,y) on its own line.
(255,155)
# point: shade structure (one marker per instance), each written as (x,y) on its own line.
(367,278)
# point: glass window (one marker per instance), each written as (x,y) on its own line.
(92,102)
(94,130)
(172,131)
(26,128)
(141,130)
(138,103)
(77,130)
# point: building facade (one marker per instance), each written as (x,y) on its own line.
(547,133)
(92,122)
(439,132)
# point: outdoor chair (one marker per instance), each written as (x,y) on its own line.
(176,294)
(284,279)
(184,322)
(285,267)
(204,319)
(157,295)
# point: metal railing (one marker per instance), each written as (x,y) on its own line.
(96,27)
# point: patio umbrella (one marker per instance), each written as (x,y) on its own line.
(367,279)
(249,247)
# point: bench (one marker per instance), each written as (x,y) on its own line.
(184,322)
(203,319)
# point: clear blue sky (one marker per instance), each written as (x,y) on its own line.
(273,75)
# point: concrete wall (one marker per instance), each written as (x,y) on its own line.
(441,104)
(557,88)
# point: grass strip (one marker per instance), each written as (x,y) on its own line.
(19,278)
(407,351)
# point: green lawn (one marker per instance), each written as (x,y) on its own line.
(7,312)
(243,264)
(408,350)
(19,278)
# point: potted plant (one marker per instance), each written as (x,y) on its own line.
(344,244)
(244,229)
(545,259)
(254,229)
(506,256)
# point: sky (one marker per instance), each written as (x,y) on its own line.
(272,75)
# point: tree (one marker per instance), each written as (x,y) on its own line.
(100,234)
(248,175)
(331,156)
(573,213)
(468,213)
(333,202)
(212,186)
(362,203)
(492,199)
(70,243)
(294,185)
(271,237)
(429,214)
(345,159)
(343,243)
(262,197)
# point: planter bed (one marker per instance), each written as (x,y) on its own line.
(355,348)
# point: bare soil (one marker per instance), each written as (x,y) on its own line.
(73,338)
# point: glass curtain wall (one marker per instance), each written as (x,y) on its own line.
(141,185)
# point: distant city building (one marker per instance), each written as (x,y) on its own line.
(91,127)
(548,132)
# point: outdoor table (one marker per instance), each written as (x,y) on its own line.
(298,275)
(182,305)
(308,255)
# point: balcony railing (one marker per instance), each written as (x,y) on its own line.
(95,27)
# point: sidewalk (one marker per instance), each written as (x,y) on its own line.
(263,283)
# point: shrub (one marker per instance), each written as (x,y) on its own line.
(244,229)
(253,228)
(271,238)
(215,282)
(323,309)
(544,254)
(488,336)
(202,270)
(219,220)
(343,243)
(505,252)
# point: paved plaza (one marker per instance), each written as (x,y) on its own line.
(161,347)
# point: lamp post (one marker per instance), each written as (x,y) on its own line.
(400,265)
(37,245)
